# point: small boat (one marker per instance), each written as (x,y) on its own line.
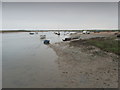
(42,36)
(66,33)
(86,32)
(66,39)
(58,33)
(31,33)
(46,41)
(71,38)
(71,33)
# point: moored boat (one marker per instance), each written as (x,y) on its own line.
(66,39)
(71,38)
(46,41)
(31,33)
(42,36)
(58,33)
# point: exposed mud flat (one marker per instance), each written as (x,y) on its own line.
(86,66)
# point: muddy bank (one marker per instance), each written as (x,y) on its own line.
(86,66)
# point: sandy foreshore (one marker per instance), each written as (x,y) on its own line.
(86,66)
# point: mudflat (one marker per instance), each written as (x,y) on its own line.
(86,66)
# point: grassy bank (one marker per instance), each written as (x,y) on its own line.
(108,44)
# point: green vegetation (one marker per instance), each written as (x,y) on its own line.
(106,44)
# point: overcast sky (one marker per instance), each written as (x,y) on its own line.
(60,15)
(60,0)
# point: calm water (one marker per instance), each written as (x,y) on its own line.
(27,62)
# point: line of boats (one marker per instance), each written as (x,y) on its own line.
(32,33)
(41,36)
(57,33)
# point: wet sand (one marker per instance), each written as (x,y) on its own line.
(86,66)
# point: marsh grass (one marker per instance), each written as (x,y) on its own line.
(106,44)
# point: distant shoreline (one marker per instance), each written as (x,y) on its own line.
(11,31)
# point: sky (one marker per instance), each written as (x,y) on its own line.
(119,15)
(0,15)
(60,0)
(59,15)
